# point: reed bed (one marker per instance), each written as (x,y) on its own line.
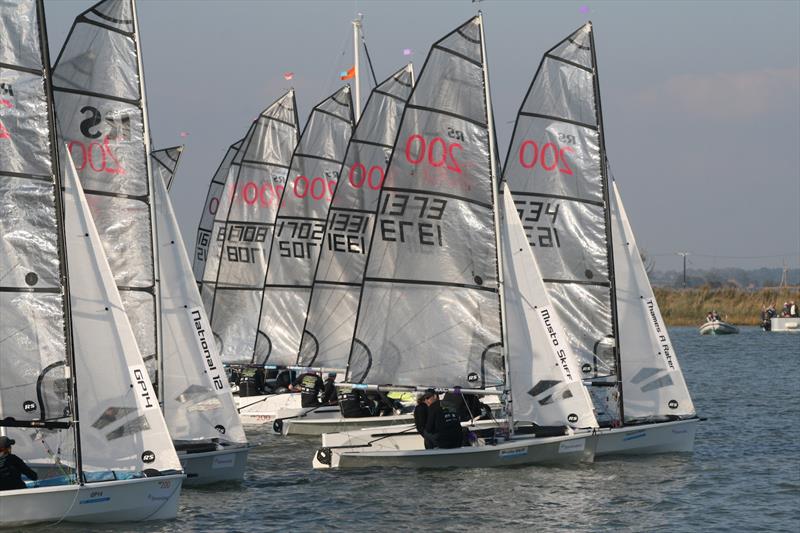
(688,307)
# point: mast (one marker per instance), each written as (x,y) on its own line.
(496,214)
(608,224)
(356,66)
(62,248)
(151,208)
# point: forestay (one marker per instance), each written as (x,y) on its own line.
(210,209)
(35,361)
(243,227)
(101,112)
(429,313)
(331,318)
(299,229)
(165,163)
(652,379)
(198,404)
(546,386)
(555,172)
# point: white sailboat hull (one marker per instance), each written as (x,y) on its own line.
(314,425)
(718,327)
(264,409)
(133,500)
(645,439)
(785,324)
(205,468)
(567,449)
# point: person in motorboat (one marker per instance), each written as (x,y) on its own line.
(12,468)
(329,396)
(709,317)
(786,312)
(421,415)
(715,315)
(792,309)
(766,325)
(309,385)
(443,428)
(353,403)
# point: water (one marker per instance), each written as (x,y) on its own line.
(743,476)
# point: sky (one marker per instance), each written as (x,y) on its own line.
(701,100)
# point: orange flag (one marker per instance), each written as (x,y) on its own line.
(347,74)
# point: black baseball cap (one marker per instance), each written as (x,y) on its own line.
(6,442)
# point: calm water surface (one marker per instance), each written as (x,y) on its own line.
(744,474)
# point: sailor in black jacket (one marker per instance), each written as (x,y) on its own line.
(12,468)
(443,428)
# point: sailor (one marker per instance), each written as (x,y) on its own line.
(421,416)
(260,380)
(352,403)
(12,468)
(379,403)
(329,391)
(283,381)
(309,385)
(442,428)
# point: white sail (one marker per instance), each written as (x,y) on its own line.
(165,163)
(198,404)
(299,229)
(653,383)
(331,317)
(210,210)
(546,385)
(118,407)
(555,171)
(242,232)
(100,106)
(35,350)
(430,308)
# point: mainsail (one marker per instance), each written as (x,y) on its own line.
(430,310)
(652,378)
(197,399)
(101,110)
(556,172)
(330,321)
(35,332)
(67,351)
(210,210)
(243,228)
(165,163)
(545,379)
(299,229)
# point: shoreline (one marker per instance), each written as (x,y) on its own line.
(741,307)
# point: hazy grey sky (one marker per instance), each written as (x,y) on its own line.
(701,100)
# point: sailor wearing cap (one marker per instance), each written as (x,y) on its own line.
(12,468)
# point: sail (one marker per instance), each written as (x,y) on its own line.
(243,228)
(653,383)
(430,308)
(198,404)
(100,106)
(299,229)
(556,175)
(165,163)
(546,385)
(331,318)
(210,209)
(122,427)
(35,382)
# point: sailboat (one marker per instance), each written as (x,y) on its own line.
(586,253)
(165,163)
(434,306)
(330,319)
(102,110)
(74,392)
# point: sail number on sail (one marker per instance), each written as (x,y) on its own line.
(241,233)
(299,237)
(397,206)
(531,212)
